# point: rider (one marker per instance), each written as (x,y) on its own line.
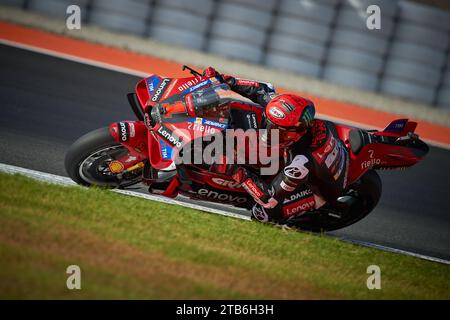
(321,160)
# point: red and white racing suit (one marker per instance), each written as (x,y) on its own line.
(316,170)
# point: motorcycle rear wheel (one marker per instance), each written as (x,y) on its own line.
(367,191)
(87,159)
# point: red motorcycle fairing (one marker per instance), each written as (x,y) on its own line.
(179,124)
(383,149)
(167,138)
(133,136)
(155,88)
(215,180)
(176,122)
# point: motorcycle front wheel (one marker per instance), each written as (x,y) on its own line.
(87,161)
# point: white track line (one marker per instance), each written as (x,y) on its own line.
(390,249)
(65,181)
(55,179)
(73,58)
(133,72)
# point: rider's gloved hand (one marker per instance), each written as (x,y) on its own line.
(210,72)
(256,187)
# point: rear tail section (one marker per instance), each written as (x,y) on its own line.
(401,127)
(396,147)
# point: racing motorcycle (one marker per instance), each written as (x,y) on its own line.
(138,151)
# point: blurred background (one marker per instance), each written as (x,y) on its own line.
(324,39)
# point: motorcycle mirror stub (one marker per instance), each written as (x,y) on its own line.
(192,71)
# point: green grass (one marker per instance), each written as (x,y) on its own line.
(133,248)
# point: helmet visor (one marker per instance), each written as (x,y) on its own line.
(286,135)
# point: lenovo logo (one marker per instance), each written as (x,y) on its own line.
(123,130)
(160,90)
(221,196)
(168,135)
(252,188)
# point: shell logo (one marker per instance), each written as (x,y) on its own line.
(116,166)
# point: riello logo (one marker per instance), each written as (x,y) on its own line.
(188,84)
(370,163)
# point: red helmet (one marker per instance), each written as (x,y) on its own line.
(291,115)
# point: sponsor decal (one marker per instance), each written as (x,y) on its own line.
(198,126)
(297,169)
(207,122)
(192,85)
(116,166)
(243,82)
(187,85)
(329,145)
(370,163)
(277,113)
(325,149)
(132,130)
(259,213)
(166,150)
(332,156)
(253,189)
(397,125)
(147,121)
(152,83)
(298,207)
(286,187)
(169,136)
(221,125)
(287,106)
(124,131)
(130,159)
(298,195)
(190,104)
(220,196)
(308,115)
(160,90)
(226,183)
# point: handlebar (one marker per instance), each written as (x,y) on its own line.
(198,74)
(192,71)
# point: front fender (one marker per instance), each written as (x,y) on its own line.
(132,135)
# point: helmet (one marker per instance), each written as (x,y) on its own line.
(291,115)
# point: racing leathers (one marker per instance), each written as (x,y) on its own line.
(315,168)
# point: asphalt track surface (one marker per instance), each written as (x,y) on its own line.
(47,103)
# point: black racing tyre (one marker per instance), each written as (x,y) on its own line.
(87,159)
(367,191)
